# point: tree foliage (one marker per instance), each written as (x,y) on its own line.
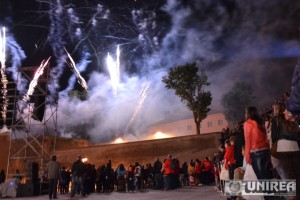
(238,98)
(189,86)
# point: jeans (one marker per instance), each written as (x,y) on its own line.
(53,188)
(158,181)
(167,180)
(77,182)
(260,162)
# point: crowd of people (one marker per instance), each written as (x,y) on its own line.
(267,142)
(247,144)
(84,178)
(250,143)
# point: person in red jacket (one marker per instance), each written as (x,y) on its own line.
(229,157)
(169,168)
(256,143)
(207,176)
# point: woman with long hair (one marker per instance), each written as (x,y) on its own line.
(256,143)
(276,127)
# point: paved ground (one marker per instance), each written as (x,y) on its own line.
(185,193)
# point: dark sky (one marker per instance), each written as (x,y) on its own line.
(252,41)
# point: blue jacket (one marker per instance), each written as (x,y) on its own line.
(293,102)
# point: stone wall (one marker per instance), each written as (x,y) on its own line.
(184,148)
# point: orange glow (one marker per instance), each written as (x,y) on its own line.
(160,135)
(84,159)
(118,141)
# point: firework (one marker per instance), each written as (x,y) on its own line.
(73,67)
(114,70)
(35,79)
(2,47)
(143,97)
(3,76)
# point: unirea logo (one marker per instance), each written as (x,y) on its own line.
(261,187)
(270,186)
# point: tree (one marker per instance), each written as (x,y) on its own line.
(235,102)
(188,85)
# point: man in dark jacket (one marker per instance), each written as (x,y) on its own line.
(157,174)
(77,175)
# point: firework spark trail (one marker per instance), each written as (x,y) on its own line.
(82,65)
(73,67)
(144,95)
(35,79)
(3,76)
(114,70)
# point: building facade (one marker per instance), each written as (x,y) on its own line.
(211,124)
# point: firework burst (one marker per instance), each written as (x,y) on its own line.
(114,70)
(35,79)
(3,76)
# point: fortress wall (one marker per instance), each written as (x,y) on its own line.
(184,148)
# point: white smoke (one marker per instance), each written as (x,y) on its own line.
(16,55)
(234,40)
(108,113)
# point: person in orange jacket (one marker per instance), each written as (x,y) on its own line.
(256,143)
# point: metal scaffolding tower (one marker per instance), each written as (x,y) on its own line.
(33,128)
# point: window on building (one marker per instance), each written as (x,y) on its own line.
(189,127)
(220,122)
(209,124)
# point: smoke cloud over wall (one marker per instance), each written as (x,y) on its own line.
(250,41)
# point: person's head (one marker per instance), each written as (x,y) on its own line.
(227,143)
(232,140)
(192,163)
(278,109)
(122,167)
(53,158)
(170,156)
(79,157)
(156,159)
(252,113)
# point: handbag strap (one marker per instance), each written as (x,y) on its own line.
(277,128)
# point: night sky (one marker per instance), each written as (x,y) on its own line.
(252,41)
